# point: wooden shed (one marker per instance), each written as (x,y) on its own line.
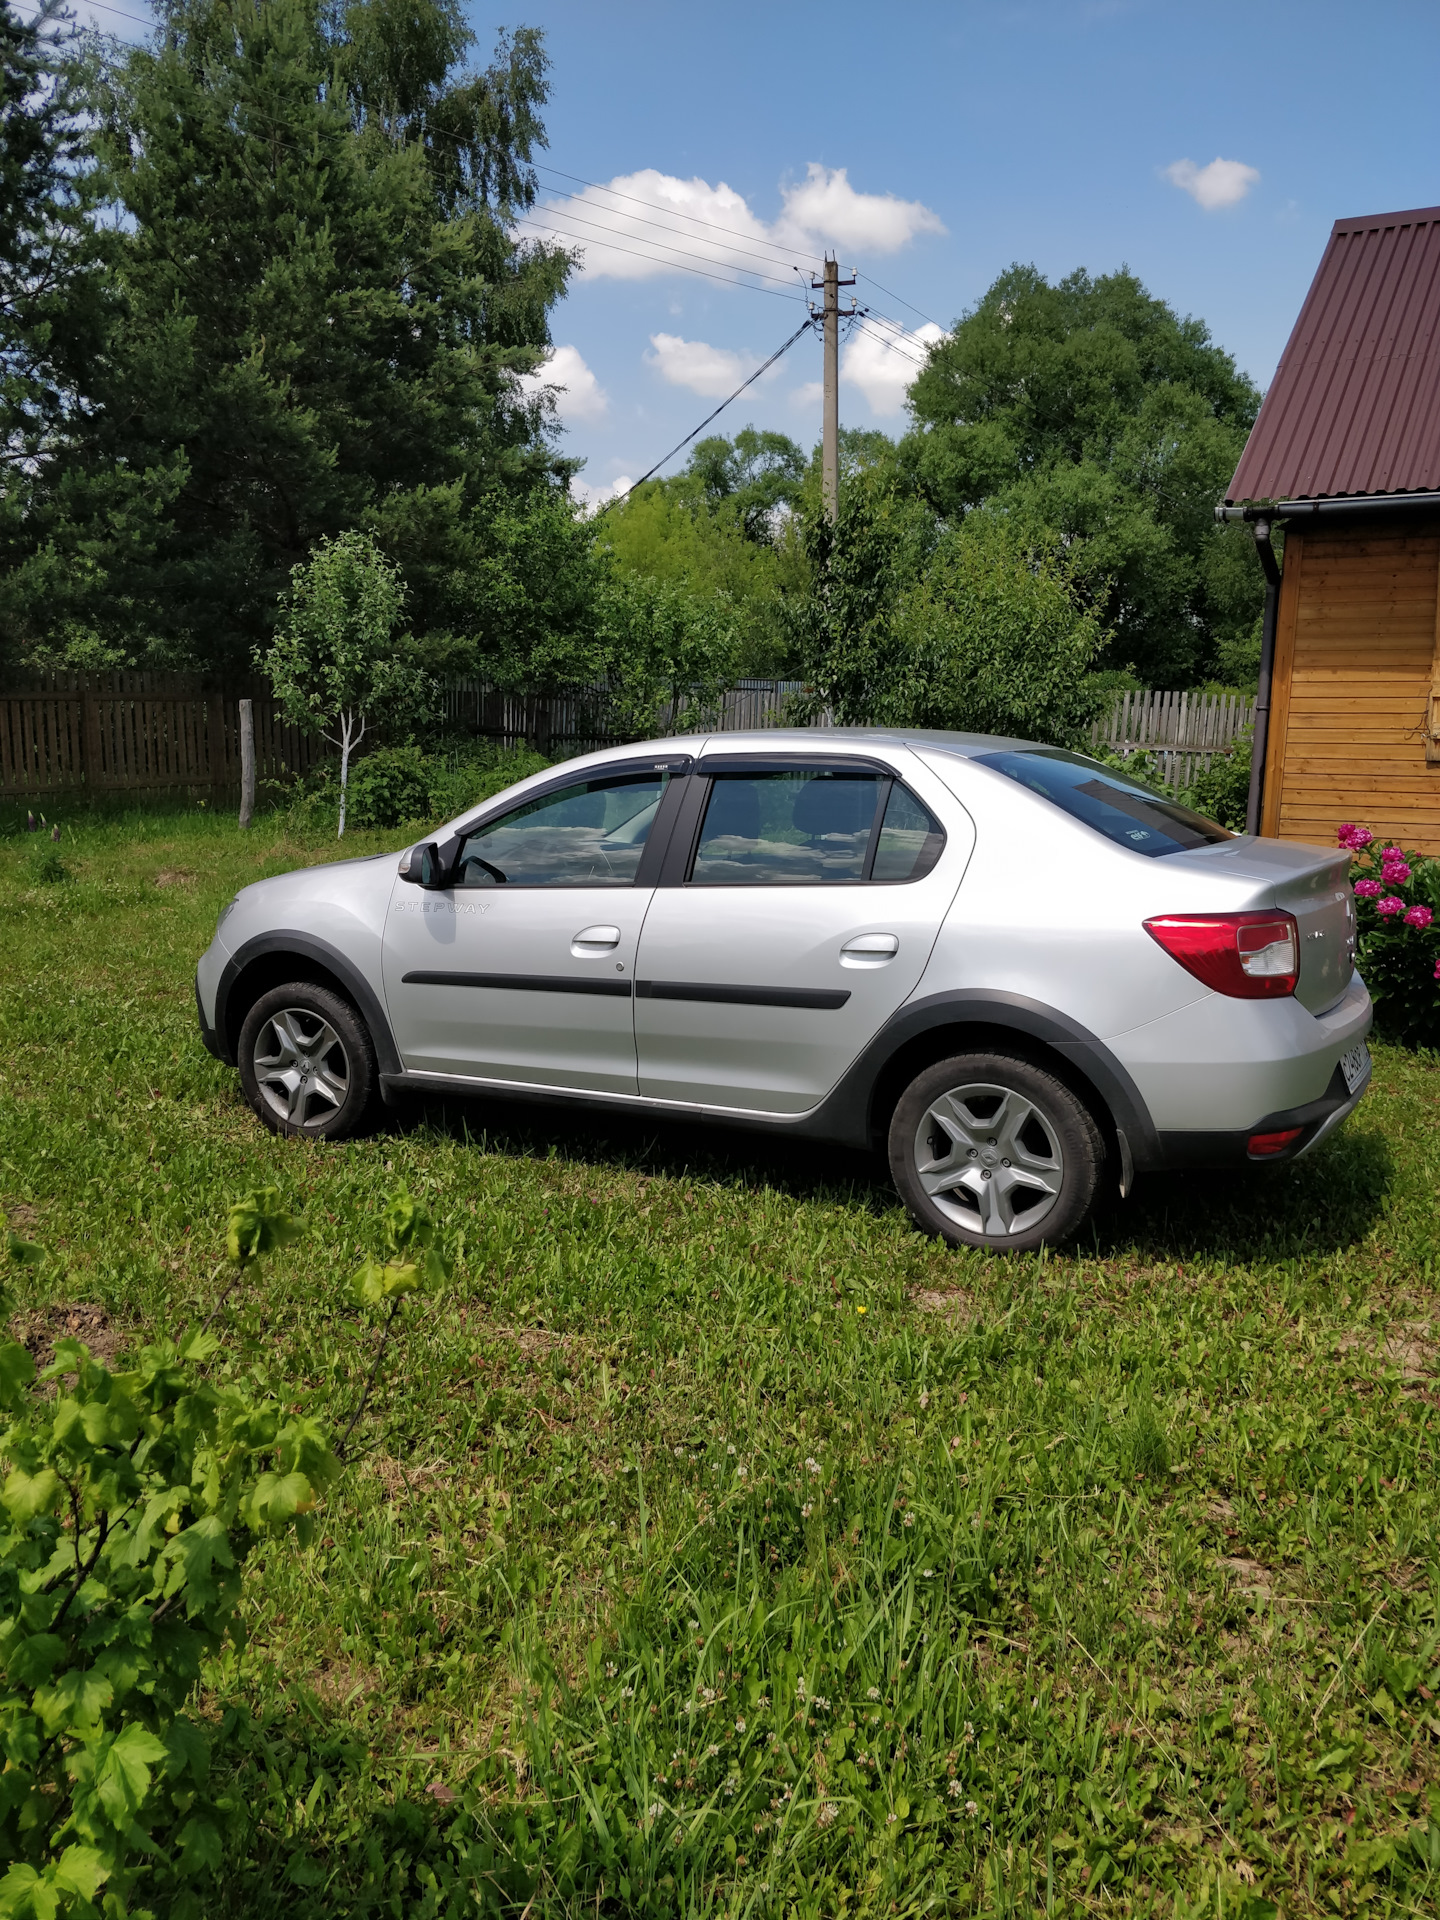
(1345,455)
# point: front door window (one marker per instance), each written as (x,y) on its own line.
(591,834)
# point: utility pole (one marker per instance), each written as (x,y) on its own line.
(830,450)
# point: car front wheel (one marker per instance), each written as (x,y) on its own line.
(307,1063)
(988,1150)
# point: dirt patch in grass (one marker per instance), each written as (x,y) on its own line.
(22,1217)
(38,1330)
(175,877)
(1410,1349)
(341,1683)
(951,1303)
(1249,1576)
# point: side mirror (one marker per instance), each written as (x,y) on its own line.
(422,866)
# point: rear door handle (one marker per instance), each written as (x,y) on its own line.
(872,946)
(591,940)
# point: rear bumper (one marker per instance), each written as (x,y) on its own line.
(1228,1148)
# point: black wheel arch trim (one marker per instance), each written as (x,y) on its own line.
(305,946)
(847,1112)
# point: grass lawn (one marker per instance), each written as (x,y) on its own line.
(717,1544)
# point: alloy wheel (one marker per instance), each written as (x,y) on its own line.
(989,1159)
(301,1067)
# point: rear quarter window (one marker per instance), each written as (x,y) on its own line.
(1125,812)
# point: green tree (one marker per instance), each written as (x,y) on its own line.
(51,281)
(320,313)
(664,644)
(1098,419)
(336,663)
(726,525)
(969,627)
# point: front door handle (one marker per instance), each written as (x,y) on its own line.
(593,940)
(872,946)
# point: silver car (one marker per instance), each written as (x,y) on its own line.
(1024,975)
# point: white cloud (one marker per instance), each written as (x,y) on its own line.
(883,363)
(825,207)
(593,498)
(1221,184)
(712,371)
(578,394)
(650,223)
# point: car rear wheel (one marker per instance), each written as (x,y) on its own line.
(307,1063)
(991,1151)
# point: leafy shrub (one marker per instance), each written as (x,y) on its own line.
(404,786)
(129,1506)
(389,787)
(1221,791)
(1397,899)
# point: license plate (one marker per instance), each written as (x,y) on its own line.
(1355,1065)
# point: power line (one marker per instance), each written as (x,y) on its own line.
(769,259)
(893,346)
(100,7)
(895,296)
(656,207)
(645,238)
(677,266)
(764,367)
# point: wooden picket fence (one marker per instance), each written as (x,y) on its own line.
(1184,731)
(110,733)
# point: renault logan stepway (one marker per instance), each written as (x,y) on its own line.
(1020,973)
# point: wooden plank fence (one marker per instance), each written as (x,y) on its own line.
(1185,731)
(109,733)
(106,733)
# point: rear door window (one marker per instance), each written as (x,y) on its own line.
(812,826)
(1125,812)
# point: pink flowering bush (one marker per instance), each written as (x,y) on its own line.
(1397,896)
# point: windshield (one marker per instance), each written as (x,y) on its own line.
(1130,815)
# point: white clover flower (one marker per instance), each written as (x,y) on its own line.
(827,1815)
(971,1808)
(872,1693)
(739,1726)
(955,1789)
(731,1447)
(909,1519)
(924,1401)
(811,1466)
(610,1669)
(711,1751)
(806,1510)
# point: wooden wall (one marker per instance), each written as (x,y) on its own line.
(1355,657)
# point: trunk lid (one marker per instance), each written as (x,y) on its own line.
(1313,883)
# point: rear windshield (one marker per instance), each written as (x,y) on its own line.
(1130,815)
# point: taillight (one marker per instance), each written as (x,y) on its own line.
(1264,1146)
(1250,956)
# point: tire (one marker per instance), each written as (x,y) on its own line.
(307,1062)
(1022,1157)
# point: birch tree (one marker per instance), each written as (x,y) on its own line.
(337,664)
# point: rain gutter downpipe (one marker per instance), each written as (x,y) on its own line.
(1260,739)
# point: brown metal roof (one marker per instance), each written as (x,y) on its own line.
(1354,407)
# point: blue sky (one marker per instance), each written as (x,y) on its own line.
(931,145)
(1037,132)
